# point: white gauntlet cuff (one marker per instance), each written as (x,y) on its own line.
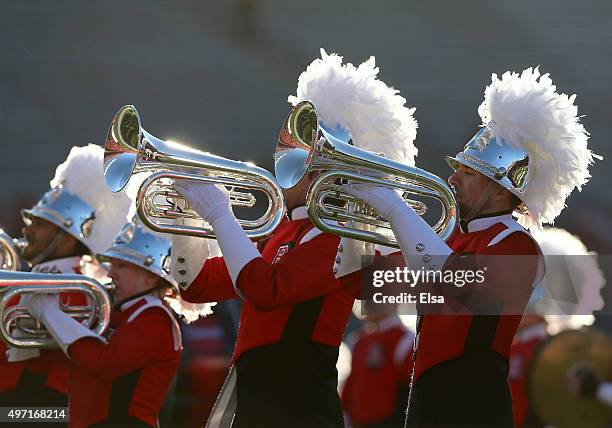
(352,255)
(417,240)
(14,355)
(188,254)
(236,247)
(64,329)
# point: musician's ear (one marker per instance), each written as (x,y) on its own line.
(501,196)
(150,279)
(68,246)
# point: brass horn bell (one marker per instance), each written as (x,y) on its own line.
(129,150)
(306,144)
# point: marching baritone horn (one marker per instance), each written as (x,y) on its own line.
(329,150)
(10,252)
(129,150)
(19,329)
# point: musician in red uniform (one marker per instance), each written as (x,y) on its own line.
(531,153)
(560,303)
(74,219)
(531,333)
(294,311)
(121,380)
(376,390)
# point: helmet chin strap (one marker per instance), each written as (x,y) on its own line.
(42,256)
(484,197)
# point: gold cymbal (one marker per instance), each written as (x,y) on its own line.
(546,387)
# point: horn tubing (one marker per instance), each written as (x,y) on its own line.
(444,227)
(254,229)
(13,284)
(140,151)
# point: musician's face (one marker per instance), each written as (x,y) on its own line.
(129,279)
(40,233)
(296,195)
(469,186)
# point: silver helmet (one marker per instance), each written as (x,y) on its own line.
(494,158)
(65,210)
(79,201)
(532,143)
(138,245)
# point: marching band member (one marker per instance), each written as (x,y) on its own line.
(376,390)
(528,157)
(574,278)
(122,380)
(294,311)
(77,217)
(531,333)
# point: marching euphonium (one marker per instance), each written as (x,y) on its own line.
(10,252)
(19,329)
(329,151)
(129,150)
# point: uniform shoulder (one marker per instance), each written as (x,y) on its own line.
(155,316)
(514,238)
(152,309)
(317,235)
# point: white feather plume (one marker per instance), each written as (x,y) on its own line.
(526,112)
(82,175)
(190,312)
(354,97)
(570,266)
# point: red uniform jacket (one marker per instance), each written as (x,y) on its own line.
(53,362)
(296,266)
(444,337)
(376,390)
(525,343)
(129,376)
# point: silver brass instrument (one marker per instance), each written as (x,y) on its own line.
(330,151)
(129,150)
(19,329)
(10,251)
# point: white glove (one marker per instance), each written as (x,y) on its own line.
(37,303)
(384,200)
(418,242)
(64,329)
(210,201)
